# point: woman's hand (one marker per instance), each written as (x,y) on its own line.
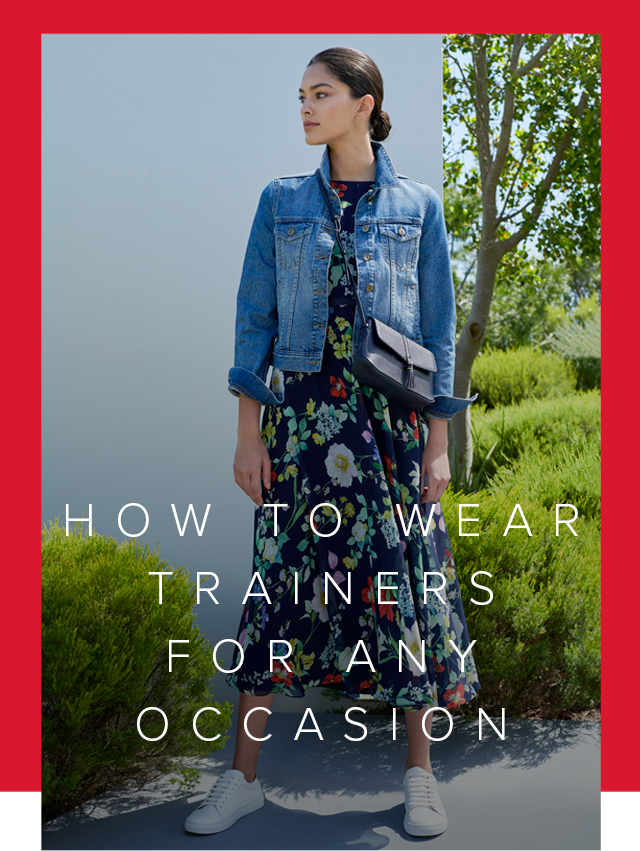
(435,461)
(251,462)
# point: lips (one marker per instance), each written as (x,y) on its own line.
(309,124)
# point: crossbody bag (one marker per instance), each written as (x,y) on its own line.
(385,359)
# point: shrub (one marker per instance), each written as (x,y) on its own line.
(579,342)
(505,377)
(105,659)
(561,474)
(537,642)
(544,424)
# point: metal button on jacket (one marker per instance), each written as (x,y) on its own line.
(291,231)
(365,228)
(401,231)
(367,257)
(369,287)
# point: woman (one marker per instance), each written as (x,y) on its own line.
(327,441)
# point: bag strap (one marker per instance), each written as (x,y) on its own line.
(336,222)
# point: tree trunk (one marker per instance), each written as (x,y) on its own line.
(467,348)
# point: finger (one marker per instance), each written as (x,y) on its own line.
(241,480)
(425,487)
(255,493)
(442,488)
(245,480)
(434,491)
(244,483)
(266,472)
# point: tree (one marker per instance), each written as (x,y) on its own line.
(522,134)
(531,295)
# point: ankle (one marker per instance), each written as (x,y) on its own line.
(249,774)
(427,766)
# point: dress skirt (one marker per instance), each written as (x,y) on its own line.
(338,442)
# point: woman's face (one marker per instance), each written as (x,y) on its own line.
(329,111)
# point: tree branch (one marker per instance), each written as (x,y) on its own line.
(535,60)
(506,245)
(516,212)
(464,78)
(466,274)
(525,151)
(470,128)
(483,127)
(507,117)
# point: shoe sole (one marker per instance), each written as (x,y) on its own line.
(223,825)
(424,830)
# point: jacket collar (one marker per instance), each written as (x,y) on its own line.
(385,172)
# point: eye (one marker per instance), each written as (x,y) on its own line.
(321,94)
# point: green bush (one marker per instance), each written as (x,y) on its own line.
(544,424)
(561,474)
(537,642)
(105,645)
(579,342)
(505,377)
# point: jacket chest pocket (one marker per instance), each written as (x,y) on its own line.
(401,243)
(291,239)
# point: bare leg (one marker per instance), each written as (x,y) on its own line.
(247,751)
(419,744)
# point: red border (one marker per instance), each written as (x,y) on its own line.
(20,340)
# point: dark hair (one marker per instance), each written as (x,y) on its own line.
(362,75)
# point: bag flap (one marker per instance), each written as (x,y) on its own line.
(393,339)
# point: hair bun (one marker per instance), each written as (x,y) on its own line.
(380,126)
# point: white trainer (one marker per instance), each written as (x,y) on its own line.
(230,798)
(424,813)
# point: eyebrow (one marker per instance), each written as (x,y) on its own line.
(317,85)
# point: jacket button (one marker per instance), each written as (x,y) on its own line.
(291,231)
(401,231)
(369,198)
(317,326)
(365,228)
(369,287)
(367,257)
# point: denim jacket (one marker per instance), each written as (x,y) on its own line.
(404,278)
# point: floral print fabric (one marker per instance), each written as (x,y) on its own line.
(338,442)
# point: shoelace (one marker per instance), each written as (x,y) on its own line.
(221,790)
(421,792)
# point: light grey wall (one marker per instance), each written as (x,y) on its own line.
(155,151)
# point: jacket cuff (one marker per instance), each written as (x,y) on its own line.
(249,384)
(446,407)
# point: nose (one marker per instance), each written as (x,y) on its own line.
(305,109)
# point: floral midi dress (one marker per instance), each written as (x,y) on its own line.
(353,455)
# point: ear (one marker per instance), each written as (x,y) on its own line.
(366,107)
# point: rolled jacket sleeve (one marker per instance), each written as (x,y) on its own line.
(256,309)
(438,310)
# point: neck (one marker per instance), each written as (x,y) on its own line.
(352,160)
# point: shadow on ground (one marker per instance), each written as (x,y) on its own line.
(537,789)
